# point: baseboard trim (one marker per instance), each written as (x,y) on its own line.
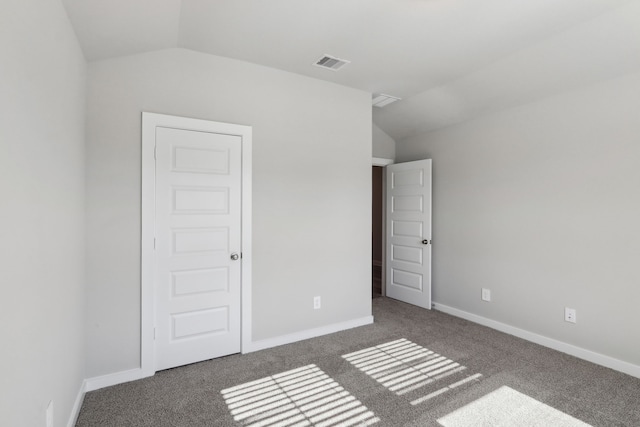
(75,411)
(307,334)
(579,352)
(108,380)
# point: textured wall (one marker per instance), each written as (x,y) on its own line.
(383,145)
(42,93)
(540,204)
(311,191)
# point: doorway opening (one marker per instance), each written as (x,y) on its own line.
(377,230)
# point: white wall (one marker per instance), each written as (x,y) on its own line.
(383,145)
(541,204)
(311,191)
(42,83)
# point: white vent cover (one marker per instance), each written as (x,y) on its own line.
(331,63)
(383,100)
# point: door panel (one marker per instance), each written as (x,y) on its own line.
(408,225)
(198,214)
(407,254)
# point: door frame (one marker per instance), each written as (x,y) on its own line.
(147,271)
(382,162)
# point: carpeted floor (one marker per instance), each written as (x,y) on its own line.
(412,367)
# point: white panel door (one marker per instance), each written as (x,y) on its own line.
(409,232)
(198,218)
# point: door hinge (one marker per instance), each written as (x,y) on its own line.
(154,243)
(154,333)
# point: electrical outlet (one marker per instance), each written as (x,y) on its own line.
(316,303)
(50,414)
(570,315)
(486,294)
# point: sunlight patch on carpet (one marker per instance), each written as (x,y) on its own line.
(301,397)
(507,407)
(403,366)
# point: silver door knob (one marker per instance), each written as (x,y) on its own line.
(235,256)
(425,242)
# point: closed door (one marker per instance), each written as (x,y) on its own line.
(198,246)
(409,232)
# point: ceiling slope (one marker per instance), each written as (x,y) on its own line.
(603,48)
(111,28)
(397,47)
(450,60)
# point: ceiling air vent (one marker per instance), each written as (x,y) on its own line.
(331,63)
(383,100)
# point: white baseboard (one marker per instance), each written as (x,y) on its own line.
(103,381)
(75,411)
(108,380)
(309,333)
(579,352)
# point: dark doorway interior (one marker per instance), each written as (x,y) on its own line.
(376,231)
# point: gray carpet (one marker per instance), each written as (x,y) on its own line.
(412,367)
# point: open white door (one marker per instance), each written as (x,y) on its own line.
(409,232)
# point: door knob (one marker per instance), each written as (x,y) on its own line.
(235,256)
(425,242)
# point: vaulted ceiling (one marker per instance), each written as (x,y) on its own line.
(450,60)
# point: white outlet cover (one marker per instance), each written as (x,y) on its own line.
(486,294)
(570,315)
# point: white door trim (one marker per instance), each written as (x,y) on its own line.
(149,122)
(379,161)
